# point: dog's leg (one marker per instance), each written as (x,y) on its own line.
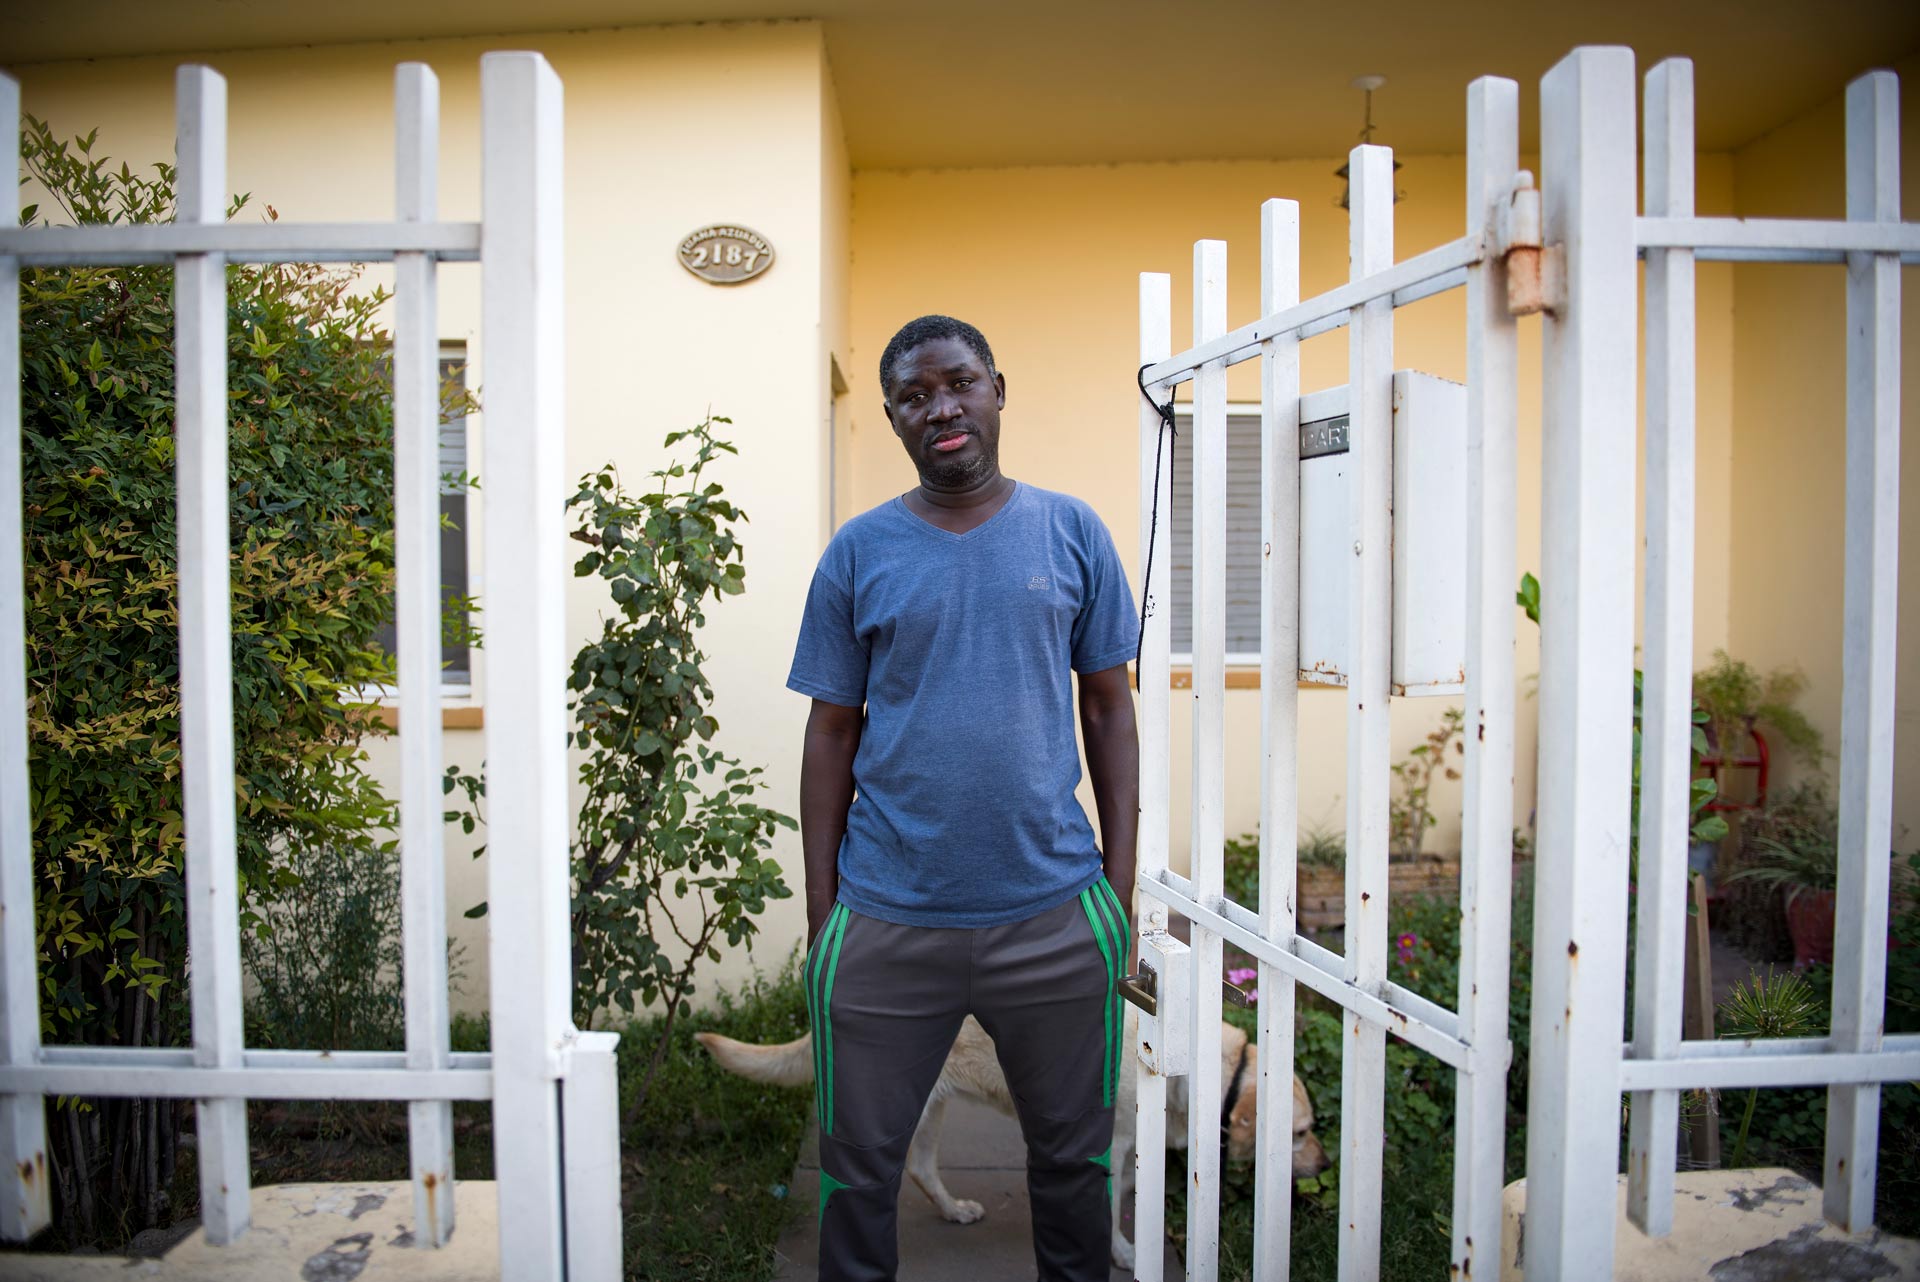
(923,1165)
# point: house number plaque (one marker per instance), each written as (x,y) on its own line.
(726,255)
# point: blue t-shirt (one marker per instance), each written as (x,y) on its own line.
(960,647)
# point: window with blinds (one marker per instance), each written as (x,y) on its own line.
(1243,538)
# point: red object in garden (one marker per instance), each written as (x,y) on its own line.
(1759,763)
(1810,922)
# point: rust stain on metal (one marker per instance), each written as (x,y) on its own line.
(1364,896)
(1573,949)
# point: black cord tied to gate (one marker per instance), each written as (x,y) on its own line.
(1167,429)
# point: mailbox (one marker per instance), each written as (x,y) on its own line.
(1429,535)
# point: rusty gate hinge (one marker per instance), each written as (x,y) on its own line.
(1536,272)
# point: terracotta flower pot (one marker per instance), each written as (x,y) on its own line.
(1810,922)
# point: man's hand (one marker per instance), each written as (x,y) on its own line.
(826,791)
(1113,766)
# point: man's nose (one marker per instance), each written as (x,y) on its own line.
(944,409)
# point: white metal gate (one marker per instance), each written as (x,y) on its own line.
(1569,252)
(549,1083)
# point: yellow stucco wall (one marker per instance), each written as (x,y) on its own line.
(1790,414)
(1046,262)
(668,129)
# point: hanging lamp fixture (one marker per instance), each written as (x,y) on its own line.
(1366,85)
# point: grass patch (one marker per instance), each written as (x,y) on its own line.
(705,1163)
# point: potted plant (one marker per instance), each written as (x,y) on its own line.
(1740,702)
(1806,866)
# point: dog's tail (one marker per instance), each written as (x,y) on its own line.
(788,1064)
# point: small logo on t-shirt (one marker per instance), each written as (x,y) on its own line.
(1038,583)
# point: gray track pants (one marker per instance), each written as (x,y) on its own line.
(886,1002)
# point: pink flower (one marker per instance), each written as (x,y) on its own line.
(1239,975)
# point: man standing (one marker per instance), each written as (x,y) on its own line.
(950,869)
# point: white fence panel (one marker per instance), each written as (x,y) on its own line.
(1571,257)
(206,652)
(1153,675)
(538,1051)
(1279,734)
(1868,650)
(416,474)
(1209,758)
(1486,830)
(26,1204)
(1667,712)
(1363,1073)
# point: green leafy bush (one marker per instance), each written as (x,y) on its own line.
(310,505)
(326,957)
(664,814)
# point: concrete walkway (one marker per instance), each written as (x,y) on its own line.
(981,1157)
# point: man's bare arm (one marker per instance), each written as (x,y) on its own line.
(826,791)
(1113,765)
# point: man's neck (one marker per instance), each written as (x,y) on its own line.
(960,510)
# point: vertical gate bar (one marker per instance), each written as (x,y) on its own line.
(1586,666)
(1152,674)
(1209,756)
(589,1100)
(1486,837)
(1667,707)
(1363,1066)
(25,1207)
(416,516)
(206,651)
(1279,733)
(527,858)
(1868,648)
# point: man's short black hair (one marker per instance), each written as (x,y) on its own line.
(925,330)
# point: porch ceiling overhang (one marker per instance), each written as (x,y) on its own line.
(1012,82)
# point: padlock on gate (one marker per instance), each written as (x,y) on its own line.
(1163,991)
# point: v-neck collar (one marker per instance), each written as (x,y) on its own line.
(900,501)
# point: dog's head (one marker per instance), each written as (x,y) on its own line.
(1309,1158)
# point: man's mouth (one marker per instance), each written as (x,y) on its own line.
(947,442)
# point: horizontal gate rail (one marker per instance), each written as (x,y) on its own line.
(119,246)
(1778,240)
(1415,1020)
(245,1082)
(1898,1060)
(143,1057)
(1421,276)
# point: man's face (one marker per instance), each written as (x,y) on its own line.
(945,407)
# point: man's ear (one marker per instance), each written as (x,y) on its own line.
(886,407)
(1000,388)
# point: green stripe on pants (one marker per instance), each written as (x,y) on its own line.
(1116,927)
(1096,919)
(826,1013)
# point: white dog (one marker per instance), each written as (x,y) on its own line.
(973,1070)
